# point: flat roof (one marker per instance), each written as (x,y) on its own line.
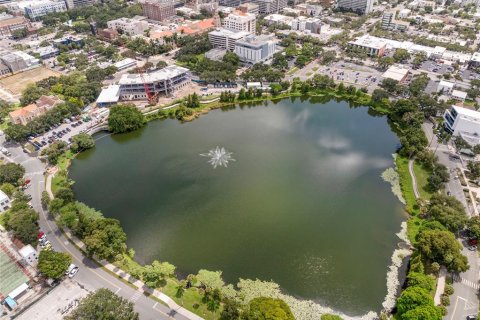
(229,33)
(159,75)
(466,112)
(463,95)
(444,83)
(27,250)
(396,73)
(111,94)
(125,62)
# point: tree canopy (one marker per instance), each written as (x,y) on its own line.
(269,308)
(103,304)
(124,118)
(81,142)
(53,264)
(105,238)
(11,173)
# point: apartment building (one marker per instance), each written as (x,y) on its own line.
(226,39)
(463,122)
(129,27)
(241,21)
(9,23)
(264,6)
(79,3)
(359,6)
(32,111)
(389,23)
(255,49)
(158,10)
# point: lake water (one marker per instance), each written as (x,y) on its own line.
(303,204)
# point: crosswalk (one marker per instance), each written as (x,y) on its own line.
(136,296)
(466,282)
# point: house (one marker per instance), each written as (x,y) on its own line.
(445,87)
(32,111)
(459,95)
(29,254)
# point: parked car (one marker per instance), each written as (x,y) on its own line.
(71,271)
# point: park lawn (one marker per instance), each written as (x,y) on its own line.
(413,227)
(406,185)
(62,164)
(191,297)
(421,174)
(292,71)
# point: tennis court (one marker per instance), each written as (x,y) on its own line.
(11,275)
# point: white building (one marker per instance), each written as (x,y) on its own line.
(4,202)
(360,6)
(160,82)
(108,96)
(255,49)
(463,122)
(241,21)
(129,27)
(397,73)
(304,24)
(29,254)
(404,13)
(276,18)
(445,86)
(226,39)
(459,95)
(125,64)
(35,9)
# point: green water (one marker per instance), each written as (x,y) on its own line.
(303,204)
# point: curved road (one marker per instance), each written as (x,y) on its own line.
(90,275)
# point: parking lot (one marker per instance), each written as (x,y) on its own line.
(69,128)
(435,67)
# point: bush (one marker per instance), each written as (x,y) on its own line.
(445,299)
(449,289)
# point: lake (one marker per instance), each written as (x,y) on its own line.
(303,204)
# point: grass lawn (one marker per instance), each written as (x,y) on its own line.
(292,71)
(421,174)
(413,226)
(2,220)
(315,69)
(63,163)
(406,185)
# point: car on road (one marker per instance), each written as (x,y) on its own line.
(472,248)
(71,271)
(472,317)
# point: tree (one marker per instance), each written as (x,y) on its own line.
(17,132)
(124,118)
(31,94)
(401,55)
(11,173)
(155,274)
(53,264)
(8,188)
(417,279)
(180,290)
(427,312)
(19,33)
(473,226)
(66,194)
(45,199)
(161,64)
(448,211)
(389,84)
(105,238)
(54,151)
(21,220)
(413,297)
(82,141)
(211,279)
(442,247)
(231,58)
(385,62)
(231,310)
(103,304)
(474,168)
(192,101)
(418,84)
(269,308)
(330,317)
(379,95)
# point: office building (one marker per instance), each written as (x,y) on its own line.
(463,122)
(158,10)
(9,23)
(255,49)
(161,82)
(18,61)
(241,21)
(249,7)
(129,27)
(359,6)
(389,23)
(35,9)
(79,3)
(264,6)
(305,24)
(226,39)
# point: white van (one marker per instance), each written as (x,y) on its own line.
(5,152)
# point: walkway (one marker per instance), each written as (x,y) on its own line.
(139,285)
(414,180)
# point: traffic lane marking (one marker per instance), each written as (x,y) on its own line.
(456,304)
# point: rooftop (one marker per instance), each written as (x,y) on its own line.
(396,73)
(159,75)
(111,94)
(467,112)
(229,33)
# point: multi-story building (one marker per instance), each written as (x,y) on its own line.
(373,46)
(255,49)
(32,111)
(311,25)
(463,122)
(161,82)
(158,10)
(226,39)
(241,21)
(264,6)
(359,6)
(29,255)
(79,3)
(4,70)
(38,8)
(129,27)
(18,61)
(9,23)
(389,23)
(107,34)
(249,7)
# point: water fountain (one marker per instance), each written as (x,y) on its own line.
(218,157)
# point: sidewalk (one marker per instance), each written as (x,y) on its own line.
(440,286)
(141,286)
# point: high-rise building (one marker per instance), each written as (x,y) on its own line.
(255,49)
(226,39)
(359,6)
(241,21)
(158,10)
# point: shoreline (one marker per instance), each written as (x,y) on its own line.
(159,115)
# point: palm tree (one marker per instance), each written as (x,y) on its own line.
(181,290)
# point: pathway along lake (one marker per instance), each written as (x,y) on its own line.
(303,205)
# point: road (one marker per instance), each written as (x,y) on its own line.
(90,275)
(465,299)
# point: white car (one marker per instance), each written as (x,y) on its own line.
(71,271)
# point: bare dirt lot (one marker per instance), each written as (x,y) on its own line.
(18,82)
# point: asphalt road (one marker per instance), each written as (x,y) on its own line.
(90,275)
(464,301)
